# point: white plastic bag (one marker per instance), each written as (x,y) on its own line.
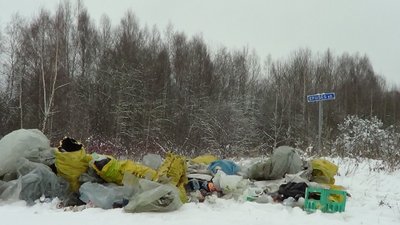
(229,183)
(31,144)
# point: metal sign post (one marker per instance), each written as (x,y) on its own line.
(320,98)
(320,121)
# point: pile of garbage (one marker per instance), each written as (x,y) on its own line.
(32,170)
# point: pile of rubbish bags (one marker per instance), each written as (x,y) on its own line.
(32,170)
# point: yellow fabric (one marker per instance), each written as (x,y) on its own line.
(174,167)
(204,159)
(323,171)
(114,170)
(70,166)
(182,193)
(139,170)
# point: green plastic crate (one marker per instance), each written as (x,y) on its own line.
(329,201)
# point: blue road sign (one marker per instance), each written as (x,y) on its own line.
(321,97)
(313,98)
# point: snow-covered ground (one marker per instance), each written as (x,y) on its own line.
(375,200)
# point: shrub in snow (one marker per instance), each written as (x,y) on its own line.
(367,138)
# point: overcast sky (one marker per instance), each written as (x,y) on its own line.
(276,27)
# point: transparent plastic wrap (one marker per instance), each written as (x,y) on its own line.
(284,160)
(104,195)
(153,161)
(31,144)
(34,181)
(154,197)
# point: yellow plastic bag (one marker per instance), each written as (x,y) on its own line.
(204,159)
(323,171)
(114,170)
(174,167)
(335,197)
(70,166)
